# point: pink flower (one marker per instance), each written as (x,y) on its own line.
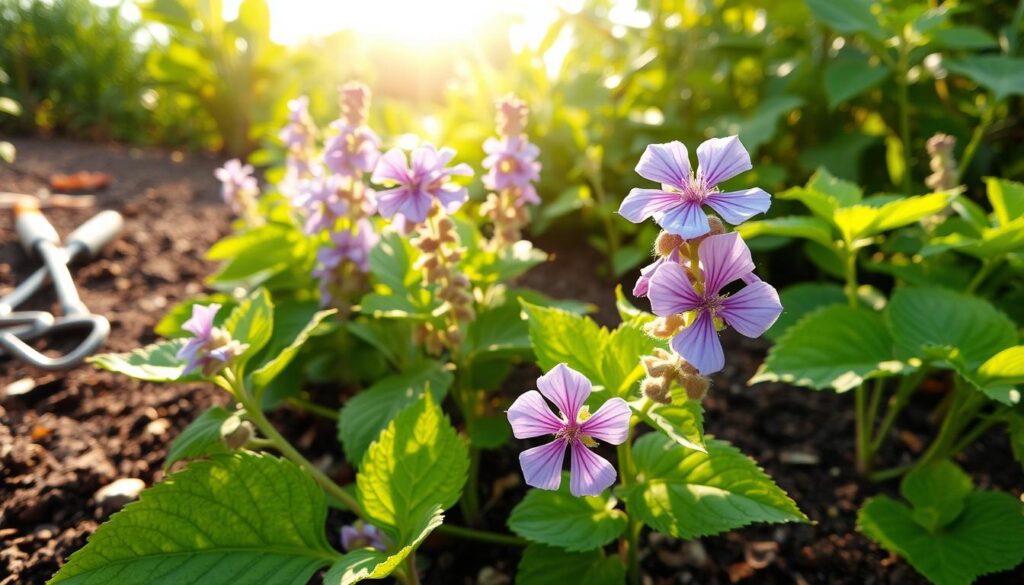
(575,429)
(419,185)
(512,164)
(676,207)
(362,535)
(210,348)
(298,133)
(237,183)
(643,283)
(724,259)
(352,151)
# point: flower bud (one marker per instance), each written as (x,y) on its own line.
(666,243)
(696,386)
(657,389)
(665,327)
(426,244)
(235,432)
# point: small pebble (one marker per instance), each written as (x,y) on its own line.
(19,387)
(158,427)
(114,496)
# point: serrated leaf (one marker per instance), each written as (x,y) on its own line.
(498,331)
(370,563)
(621,368)
(964,37)
(545,565)
(229,520)
(1000,74)
(157,362)
(987,537)
(1007,199)
(682,420)
(368,413)
(200,438)
(847,78)
(810,228)
(937,492)
(802,299)
(848,17)
(418,463)
(834,347)
(252,323)
(560,519)
(846,193)
(293,325)
(689,494)
(489,431)
(922,318)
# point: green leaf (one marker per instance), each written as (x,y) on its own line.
(293,325)
(418,463)
(621,369)
(7,152)
(545,565)
(498,331)
(628,311)
(937,492)
(964,37)
(682,420)
(847,78)
(370,411)
(232,519)
(1007,199)
(1002,75)
(810,228)
(802,299)
(489,431)
(999,375)
(835,347)
(558,518)
(845,193)
(255,255)
(252,323)
(9,107)
(924,318)
(689,494)
(895,161)
(862,221)
(201,437)
(154,363)
(370,563)
(848,17)
(988,536)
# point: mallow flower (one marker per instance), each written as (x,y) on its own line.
(353,245)
(353,150)
(210,348)
(575,428)
(362,535)
(298,133)
(237,184)
(511,162)
(676,207)
(643,282)
(724,259)
(419,185)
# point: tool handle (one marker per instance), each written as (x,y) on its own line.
(32,226)
(95,233)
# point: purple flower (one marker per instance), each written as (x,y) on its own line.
(298,133)
(512,164)
(418,186)
(353,245)
(751,311)
(352,151)
(210,348)
(644,281)
(676,207)
(237,183)
(576,429)
(362,535)
(322,202)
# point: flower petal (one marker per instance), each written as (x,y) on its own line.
(567,388)
(391,167)
(461,170)
(390,201)
(722,159)
(752,310)
(643,203)
(686,220)
(542,466)
(723,259)
(666,163)
(699,345)
(530,416)
(425,160)
(201,323)
(671,291)
(452,197)
(590,474)
(610,423)
(737,207)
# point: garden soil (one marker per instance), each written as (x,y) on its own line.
(64,436)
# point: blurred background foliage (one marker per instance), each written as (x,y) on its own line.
(851,85)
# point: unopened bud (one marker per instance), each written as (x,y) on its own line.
(426,244)
(235,432)
(666,243)
(665,327)
(696,386)
(657,389)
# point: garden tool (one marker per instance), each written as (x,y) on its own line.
(40,239)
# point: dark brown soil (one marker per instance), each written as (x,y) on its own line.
(77,431)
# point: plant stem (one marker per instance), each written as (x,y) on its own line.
(698,275)
(974,434)
(987,117)
(965,404)
(626,474)
(861,423)
(470,502)
(413,575)
(896,404)
(890,473)
(987,266)
(481,535)
(299,403)
(903,97)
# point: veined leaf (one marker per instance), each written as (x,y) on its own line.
(294,323)
(848,17)
(252,323)
(802,299)
(1007,199)
(558,518)
(369,563)
(545,565)
(201,437)
(157,362)
(1000,74)
(810,228)
(682,420)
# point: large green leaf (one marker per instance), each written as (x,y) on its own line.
(937,492)
(689,494)
(834,347)
(294,323)
(862,221)
(848,17)
(367,413)
(1007,199)
(922,319)
(252,323)
(545,565)
(201,437)
(682,420)
(810,228)
(369,563)
(417,464)
(1000,74)
(154,363)
(802,299)
(558,518)
(847,78)
(230,520)
(498,331)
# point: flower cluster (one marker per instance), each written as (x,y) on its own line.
(512,170)
(239,187)
(575,429)
(696,258)
(211,348)
(298,137)
(945,174)
(663,369)
(355,148)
